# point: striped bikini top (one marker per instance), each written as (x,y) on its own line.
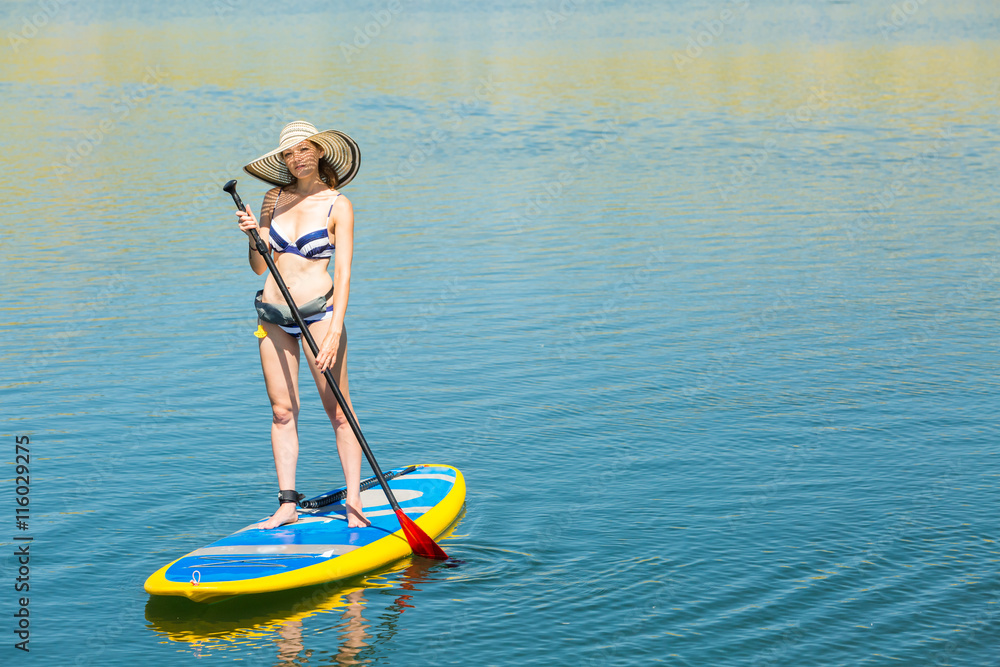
(311,245)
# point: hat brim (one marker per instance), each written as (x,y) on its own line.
(340,151)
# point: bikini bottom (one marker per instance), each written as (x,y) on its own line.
(280,314)
(294,329)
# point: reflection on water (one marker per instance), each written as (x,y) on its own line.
(353,631)
(280,620)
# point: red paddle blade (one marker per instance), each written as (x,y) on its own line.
(420,542)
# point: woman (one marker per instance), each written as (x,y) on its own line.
(305,221)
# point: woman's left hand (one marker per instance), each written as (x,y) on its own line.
(327,356)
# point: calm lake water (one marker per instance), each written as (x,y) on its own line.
(700,296)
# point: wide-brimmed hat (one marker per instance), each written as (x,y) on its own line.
(340,151)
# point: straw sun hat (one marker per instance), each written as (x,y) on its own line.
(340,151)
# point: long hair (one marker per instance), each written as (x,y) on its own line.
(328,174)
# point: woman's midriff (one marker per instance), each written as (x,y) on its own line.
(306,279)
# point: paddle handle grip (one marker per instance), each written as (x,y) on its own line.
(230,187)
(237,200)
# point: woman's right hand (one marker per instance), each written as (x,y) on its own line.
(247,222)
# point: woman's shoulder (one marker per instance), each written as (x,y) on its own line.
(340,201)
(341,212)
(272,195)
(269,204)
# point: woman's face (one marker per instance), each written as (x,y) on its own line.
(302,159)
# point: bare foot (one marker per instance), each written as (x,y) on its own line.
(355,515)
(285,514)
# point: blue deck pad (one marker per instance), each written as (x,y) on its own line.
(317,536)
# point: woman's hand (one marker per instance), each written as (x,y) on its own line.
(247,222)
(327,356)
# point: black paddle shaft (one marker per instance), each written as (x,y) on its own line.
(230,187)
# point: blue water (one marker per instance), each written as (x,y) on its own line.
(700,297)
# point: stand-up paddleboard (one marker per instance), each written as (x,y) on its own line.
(319,547)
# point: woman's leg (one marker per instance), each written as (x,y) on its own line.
(347,444)
(279,359)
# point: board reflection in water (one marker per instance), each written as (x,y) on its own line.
(284,620)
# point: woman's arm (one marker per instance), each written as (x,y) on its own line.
(341,230)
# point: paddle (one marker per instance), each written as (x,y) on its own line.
(419,541)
